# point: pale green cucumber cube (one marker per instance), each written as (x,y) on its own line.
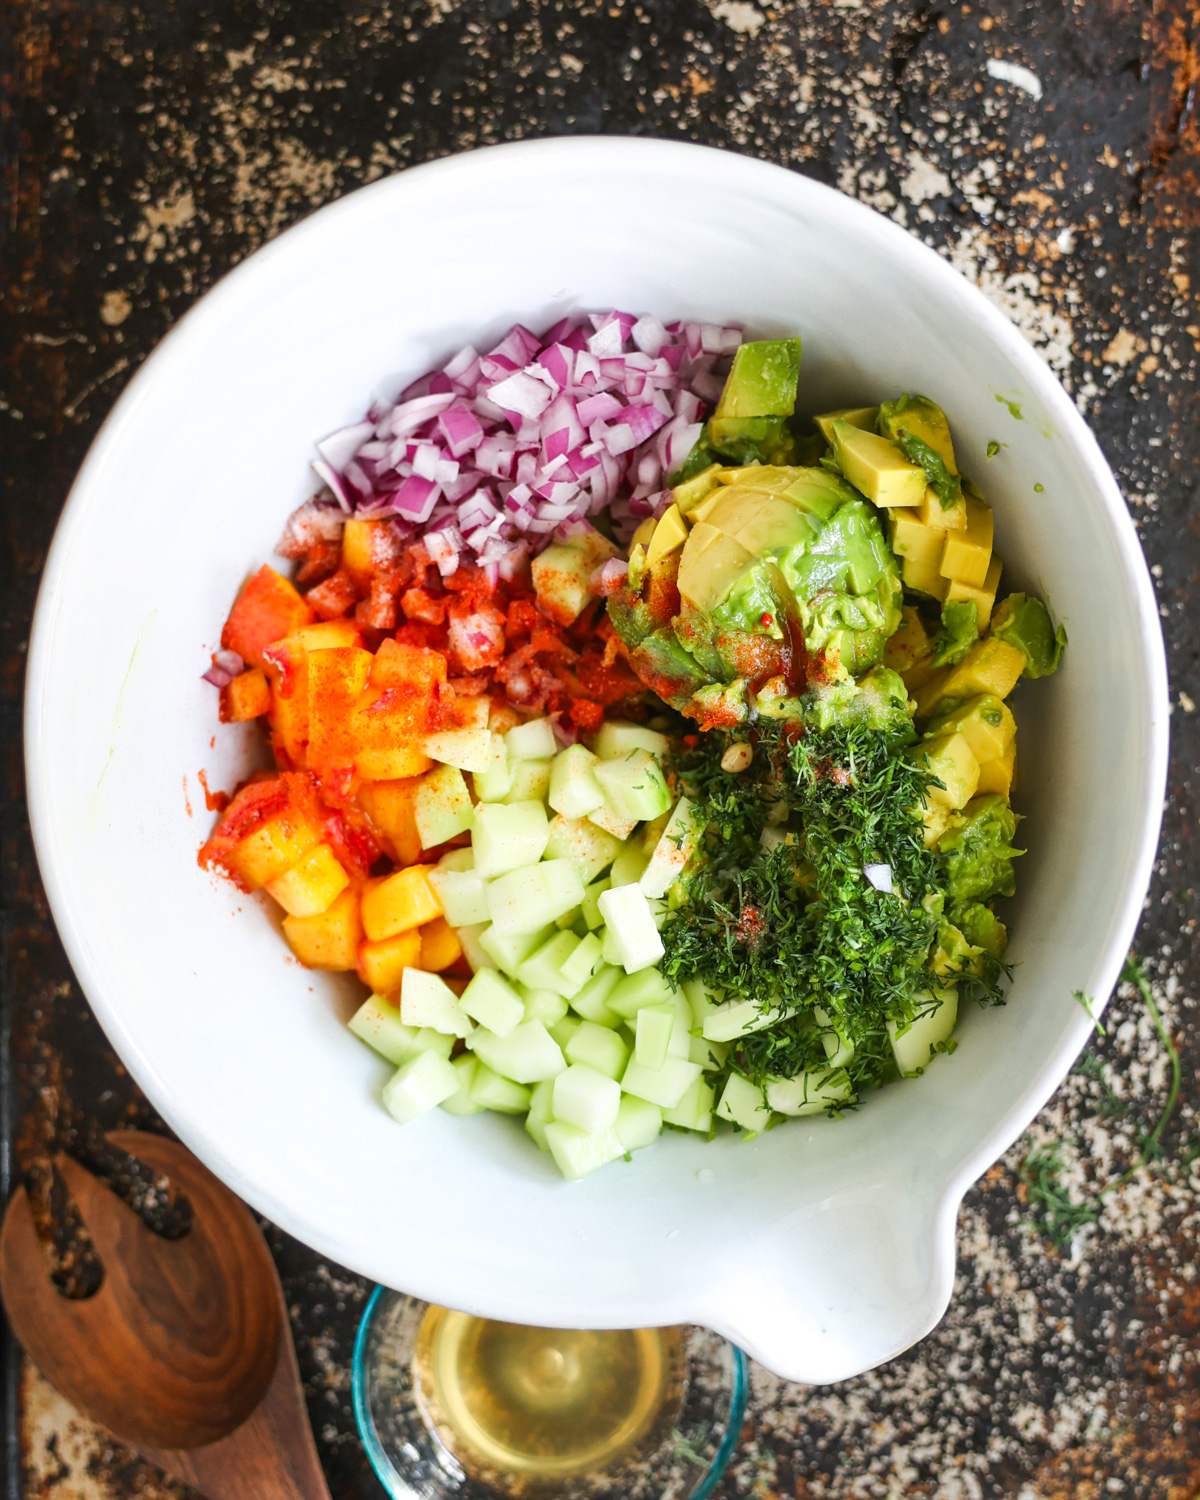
(472,946)
(588,848)
(809,1093)
(494,782)
(839,1049)
(610,821)
(540,1112)
(456,859)
(671,853)
(542,1005)
(694,1110)
(916,1047)
(576,1153)
(680,1043)
(654,1026)
(639,1123)
(634,786)
(490,1091)
(508,836)
(702,1000)
(591,1001)
(599,1047)
(462,893)
(429,1040)
(492,1001)
(574,790)
(583,962)
(563,1030)
(543,969)
(711,1056)
(610,952)
(653,831)
(631,925)
(442,806)
(461,1103)
(663,1086)
(418,1086)
(572,919)
(628,866)
(648,987)
(507,951)
(532,741)
(468,749)
(737,1018)
(531,781)
(378,1023)
(590,907)
(528,900)
(586,1098)
(743,1103)
(526,1055)
(618,737)
(427,1000)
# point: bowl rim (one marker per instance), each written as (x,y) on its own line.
(576,153)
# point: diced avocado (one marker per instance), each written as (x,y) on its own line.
(879,702)
(923,578)
(950,758)
(710,565)
(921,418)
(990,666)
(982,598)
(743,439)
(909,643)
(997,775)
(1023,621)
(980,926)
(761,521)
(857,416)
(876,466)
(912,539)
(690,493)
(670,532)
(960,631)
(762,381)
(719,704)
(967,554)
(977,851)
(817,492)
(663,663)
(931,512)
(641,537)
(986,722)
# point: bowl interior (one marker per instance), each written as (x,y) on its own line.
(822,1248)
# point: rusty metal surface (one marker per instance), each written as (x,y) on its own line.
(147,149)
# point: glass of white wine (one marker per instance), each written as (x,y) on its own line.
(454,1407)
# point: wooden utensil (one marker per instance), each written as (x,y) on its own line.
(184,1351)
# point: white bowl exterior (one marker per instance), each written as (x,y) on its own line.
(822,1249)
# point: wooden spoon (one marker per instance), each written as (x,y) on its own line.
(184,1352)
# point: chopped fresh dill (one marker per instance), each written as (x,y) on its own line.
(946,486)
(1086,1002)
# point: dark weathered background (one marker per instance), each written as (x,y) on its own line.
(148,148)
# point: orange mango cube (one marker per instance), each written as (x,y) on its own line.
(331,938)
(389,805)
(267,609)
(248,696)
(440,946)
(312,885)
(381,964)
(397,903)
(367,546)
(287,665)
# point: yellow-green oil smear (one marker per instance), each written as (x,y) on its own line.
(119,709)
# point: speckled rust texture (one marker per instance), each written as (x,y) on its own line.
(148,149)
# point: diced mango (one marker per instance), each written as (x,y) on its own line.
(248,696)
(923,578)
(267,609)
(270,824)
(389,805)
(931,512)
(984,598)
(274,847)
(403,683)
(876,466)
(399,902)
(863,417)
(912,539)
(997,775)
(367,546)
(381,964)
(990,666)
(986,723)
(312,884)
(440,946)
(671,532)
(950,758)
(337,680)
(968,553)
(330,939)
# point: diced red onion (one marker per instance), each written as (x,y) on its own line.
(226,665)
(415,498)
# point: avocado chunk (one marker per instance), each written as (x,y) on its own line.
(878,702)
(761,521)
(762,381)
(1024,621)
(981,927)
(670,532)
(960,631)
(977,851)
(986,723)
(919,428)
(858,416)
(745,439)
(710,565)
(692,491)
(876,466)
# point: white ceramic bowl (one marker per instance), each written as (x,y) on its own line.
(822,1249)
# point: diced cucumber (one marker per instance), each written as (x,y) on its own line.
(377,1022)
(680,1043)
(494,782)
(442,806)
(492,1001)
(618,737)
(663,1086)
(576,1153)
(648,987)
(612,822)
(507,951)
(839,1049)
(743,1103)
(574,790)
(590,907)
(461,1103)
(427,1000)
(586,1098)
(456,859)
(702,1000)
(473,949)
(468,749)
(639,1122)
(654,1026)
(462,893)
(508,836)
(588,848)
(531,781)
(737,1018)
(529,899)
(540,1112)
(653,831)
(543,969)
(630,924)
(562,1031)
(572,919)
(599,1047)
(633,785)
(916,1047)
(694,1110)
(673,850)
(808,1093)
(532,741)
(542,1005)
(490,1091)
(583,962)
(710,1055)
(429,1040)
(628,866)
(591,1000)
(418,1086)
(526,1055)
